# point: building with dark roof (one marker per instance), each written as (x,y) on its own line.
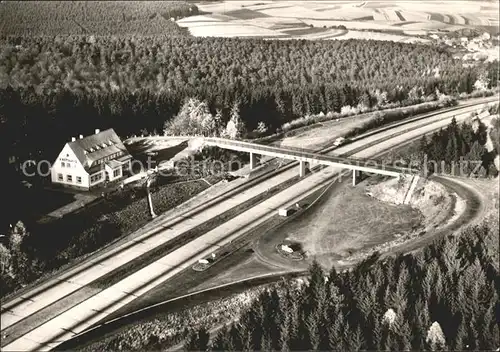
(90,161)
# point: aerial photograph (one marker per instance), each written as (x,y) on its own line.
(268,175)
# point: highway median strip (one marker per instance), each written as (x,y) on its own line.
(186,237)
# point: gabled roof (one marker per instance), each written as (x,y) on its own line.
(113,164)
(97,146)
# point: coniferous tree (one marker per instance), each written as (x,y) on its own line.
(481,134)
(235,127)
(452,280)
(435,339)
(192,341)
(220,341)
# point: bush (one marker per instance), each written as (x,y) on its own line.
(167,330)
(387,116)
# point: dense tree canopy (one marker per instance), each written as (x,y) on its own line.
(68,85)
(81,63)
(93,17)
(443,298)
(458,149)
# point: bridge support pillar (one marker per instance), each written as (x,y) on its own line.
(356,176)
(253,161)
(303,167)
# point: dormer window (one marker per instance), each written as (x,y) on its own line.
(110,143)
(85,152)
(91,150)
(104,145)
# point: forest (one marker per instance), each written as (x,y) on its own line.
(118,18)
(55,87)
(69,85)
(444,150)
(444,297)
(68,67)
(460,142)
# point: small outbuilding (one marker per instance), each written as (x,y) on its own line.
(286,248)
(285,211)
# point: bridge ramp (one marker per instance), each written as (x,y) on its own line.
(413,185)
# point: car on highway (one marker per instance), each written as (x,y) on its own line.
(339,141)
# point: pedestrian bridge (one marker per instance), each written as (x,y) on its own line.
(307,158)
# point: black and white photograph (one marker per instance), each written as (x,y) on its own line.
(257,175)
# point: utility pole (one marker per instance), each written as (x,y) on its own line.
(150,200)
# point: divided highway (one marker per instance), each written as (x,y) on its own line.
(77,318)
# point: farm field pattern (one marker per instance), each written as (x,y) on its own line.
(293,19)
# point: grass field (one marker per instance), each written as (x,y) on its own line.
(344,220)
(248,18)
(240,18)
(349,222)
(324,135)
(345,224)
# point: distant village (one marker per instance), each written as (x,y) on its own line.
(472,47)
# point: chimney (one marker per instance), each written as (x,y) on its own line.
(81,136)
(73,139)
(97,131)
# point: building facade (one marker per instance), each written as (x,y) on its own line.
(91,161)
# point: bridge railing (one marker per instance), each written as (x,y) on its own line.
(305,153)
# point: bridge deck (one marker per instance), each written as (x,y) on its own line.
(359,164)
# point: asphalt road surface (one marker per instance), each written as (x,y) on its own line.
(83,315)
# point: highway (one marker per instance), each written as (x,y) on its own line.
(83,314)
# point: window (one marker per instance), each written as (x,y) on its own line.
(96,177)
(116,173)
(69,178)
(59,177)
(63,164)
(78,179)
